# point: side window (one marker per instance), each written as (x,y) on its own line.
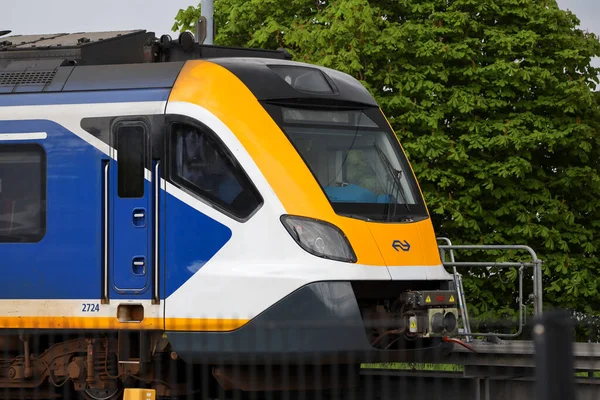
(131,151)
(200,162)
(22,193)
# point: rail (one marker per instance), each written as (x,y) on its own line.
(462,301)
(489,371)
(535,264)
(502,384)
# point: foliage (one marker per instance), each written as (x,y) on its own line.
(493,102)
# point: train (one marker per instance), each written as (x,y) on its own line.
(172,209)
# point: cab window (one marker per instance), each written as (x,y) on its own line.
(201,163)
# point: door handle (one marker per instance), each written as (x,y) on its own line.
(139,266)
(139,217)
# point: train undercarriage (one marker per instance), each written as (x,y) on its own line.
(96,365)
(89,365)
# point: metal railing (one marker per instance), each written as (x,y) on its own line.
(535,264)
(462,302)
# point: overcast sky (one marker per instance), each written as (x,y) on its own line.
(44,16)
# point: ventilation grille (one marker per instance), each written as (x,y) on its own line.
(26,78)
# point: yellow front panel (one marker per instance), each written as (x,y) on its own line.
(418,238)
(223,94)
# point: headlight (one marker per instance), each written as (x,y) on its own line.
(319,238)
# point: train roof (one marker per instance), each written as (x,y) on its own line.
(136,59)
(104,60)
(119,47)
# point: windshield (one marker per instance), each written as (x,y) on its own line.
(356,159)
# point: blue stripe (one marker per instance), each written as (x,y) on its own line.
(104,96)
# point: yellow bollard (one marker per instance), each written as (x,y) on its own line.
(139,394)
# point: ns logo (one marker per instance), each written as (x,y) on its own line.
(399,245)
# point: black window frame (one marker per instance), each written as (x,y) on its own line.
(238,171)
(20,147)
(124,124)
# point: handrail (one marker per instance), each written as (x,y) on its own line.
(462,301)
(156,292)
(537,276)
(105,298)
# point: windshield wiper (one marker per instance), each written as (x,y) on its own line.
(395,174)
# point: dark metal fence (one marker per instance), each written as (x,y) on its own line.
(549,367)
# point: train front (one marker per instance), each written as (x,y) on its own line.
(338,261)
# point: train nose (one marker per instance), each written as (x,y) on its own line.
(400,244)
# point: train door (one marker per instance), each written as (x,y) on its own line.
(131,208)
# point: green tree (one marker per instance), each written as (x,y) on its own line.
(493,102)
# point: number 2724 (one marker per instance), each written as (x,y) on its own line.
(89,307)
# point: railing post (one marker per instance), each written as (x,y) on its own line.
(553,340)
(462,299)
(207,11)
(538,304)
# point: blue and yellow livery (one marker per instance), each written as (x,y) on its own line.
(214,205)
